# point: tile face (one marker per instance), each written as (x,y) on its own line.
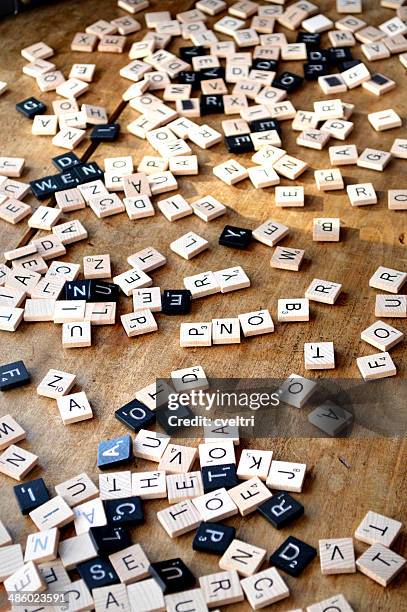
(373,159)
(249,495)
(380,564)
(387,279)
(97,573)
(293,556)
(242,557)
(287,259)
(177,459)
(254,463)
(235,237)
(328,180)
(77,490)
(378,529)
(31,494)
(331,418)
(42,546)
(292,310)
(337,556)
(256,323)
(54,513)
(230,172)
(184,486)
(150,445)
(89,514)
(189,245)
(264,588)
(222,452)
(216,476)
(221,589)
(232,279)
(115,485)
(215,506)
(225,331)
(391,306)
(179,519)
(146,595)
(323,291)
(16,462)
(326,230)
(397,199)
(74,408)
(195,334)
(286,476)
(281,510)
(28,575)
(289,196)
(131,564)
(213,538)
(379,365)
(11,559)
(115,452)
(382,335)
(319,356)
(337,602)
(13,375)
(194,598)
(343,155)
(384,120)
(149,485)
(172,575)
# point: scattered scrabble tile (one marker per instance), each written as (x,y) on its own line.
(378,529)
(29,576)
(337,556)
(56,384)
(326,230)
(379,365)
(384,120)
(97,266)
(77,490)
(380,564)
(11,166)
(387,279)
(397,199)
(327,180)
(13,375)
(189,245)
(382,336)
(10,432)
(287,259)
(319,355)
(74,408)
(337,601)
(293,556)
(11,559)
(179,518)
(331,418)
(230,172)
(42,546)
(281,509)
(323,291)
(146,594)
(289,196)
(293,309)
(242,557)
(374,159)
(264,588)
(16,462)
(221,589)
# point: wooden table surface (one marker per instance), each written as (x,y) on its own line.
(346,477)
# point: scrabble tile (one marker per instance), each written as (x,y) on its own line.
(100,313)
(332,83)
(337,128)
(208,208)
(337,556)
(140,322)
(232,279)
(11,166)
(361,194)
(221,589)
(13,375)
(379,84)
(319,356)
(77,490)
(379,365)
(13,210)
(235,237)
(97,573)
(293,556)
(331,418)
(69,311)
(11,559)
(37,51)
(226,331)
(174,208)
(103,597)
(114,485)
(260,597)
(285,196)
(262,177)
(293,310)
(213,538)
(201,285)
(176,302)
(323,291)
(391,306)
(133,279)
(177,459)
(172,575)
(184,165)
(287,259)
(219,476)
(337,601)
(44,218)
(378,529)
(56,384)
(384,120)
(397,199)
(131,564)
(10,431)
(105,133)
(179,518)
(355,75)
(139,207)
(399,148)
(328,180)
(230,172)
(105,206)
(16,462)
(149,485)
(114,452)
(28,576)
(109,539)
(135,414)
(189,245)
(89,514)
(270,232)
(256,323)
(97,266)
(249,495)
(150,445)
(192,597)
(281,510)
(382,336)
(147,595)
(42,546)
(374,159)
(74,407)
(326,230)
(380,564)
(313,139)
(68,138)
(31,107)
(388,279)
(195,334)
(242,557)
(220,453)
(285,476)
(296,391)
(70,200)
(147,299)
(147,259)
(184,486)
(215,505)
(53,513)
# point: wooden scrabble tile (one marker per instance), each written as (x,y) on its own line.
(100,313)
(84,42)
(391,306)
(378,529)
(211,7)
(11,559)
(399,148)
(77,490)
(139,207)
(115,485)
(47,290)
(286,476)
(54,513)
(45,125)
(177,459)
(221,589)
(130,564)
(195,334)
(242,557)
(343,155)
(230,172)
(330,418)
(355,76)
(256,323)
(387,279)
(254,463)
(328,180)
(183,165)
(16,462)
(13,211)
(379,84)
(382,336)
(204,136)
(337,602)
(332,83)
(319,355)
(93,189)
(328,109)
(180,518)
(89,514)
(226,331)
(11,166)
(303,120)
(68,138)
(397,199)
(10,432)
(140,322)
(11,297)
(337,556)
(221,453)
(213,434)
(361,194)
(373,159)
(37,51)
(27,577)
(270,232)
(146,595)
(42,546)
(285,196)
(215,506)
(74,408)
(384,120)
(249,495)
(287,259)
(97,266)
(208,208)
(70,200)
(147,299)
(201,285)
(189,245)
(232,279)
(293,310)
(313,139)
(188,379)
(69,311)
(10,318)
(379,365)
(337,128)
(192,597)
(44,218)
(380,564)
(174,208)
(161,182)
(149,485)
(135,185)
(105,206)
(13,189)
(375,51)
(323,291)
(56,384)
(326,229)
(112,44)
(184,486)
(262,177)
(154,395)
(133,279)
(150,445)
(264,588)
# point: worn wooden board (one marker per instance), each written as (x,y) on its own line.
(346,477)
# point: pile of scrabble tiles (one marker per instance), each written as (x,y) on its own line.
(236,77)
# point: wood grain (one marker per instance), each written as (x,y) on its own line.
(345,478)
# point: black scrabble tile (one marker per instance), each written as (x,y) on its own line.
(97,573)
(312,40)
(172,575)
(46,186)
(213,538)
(293,556)
(265,64)
(337,55)
(13,375)
(379,79)
(288,81)
(31,107)
(115,452)
(342,66)
(171,420)
(102,291)
(211,104)
(105,133)
(219,476)
(190,78)
(333,81)
(109,539)
(187,53)
(235,237)
(31,494)
(313,70)
(176,301)
(65,161)
(135,415)
(318,56)
(212,73)
(88,172)
(240,143)
(124,511)
(69,179)
(281,510)
(263,125)
(77,290)
(186,105)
